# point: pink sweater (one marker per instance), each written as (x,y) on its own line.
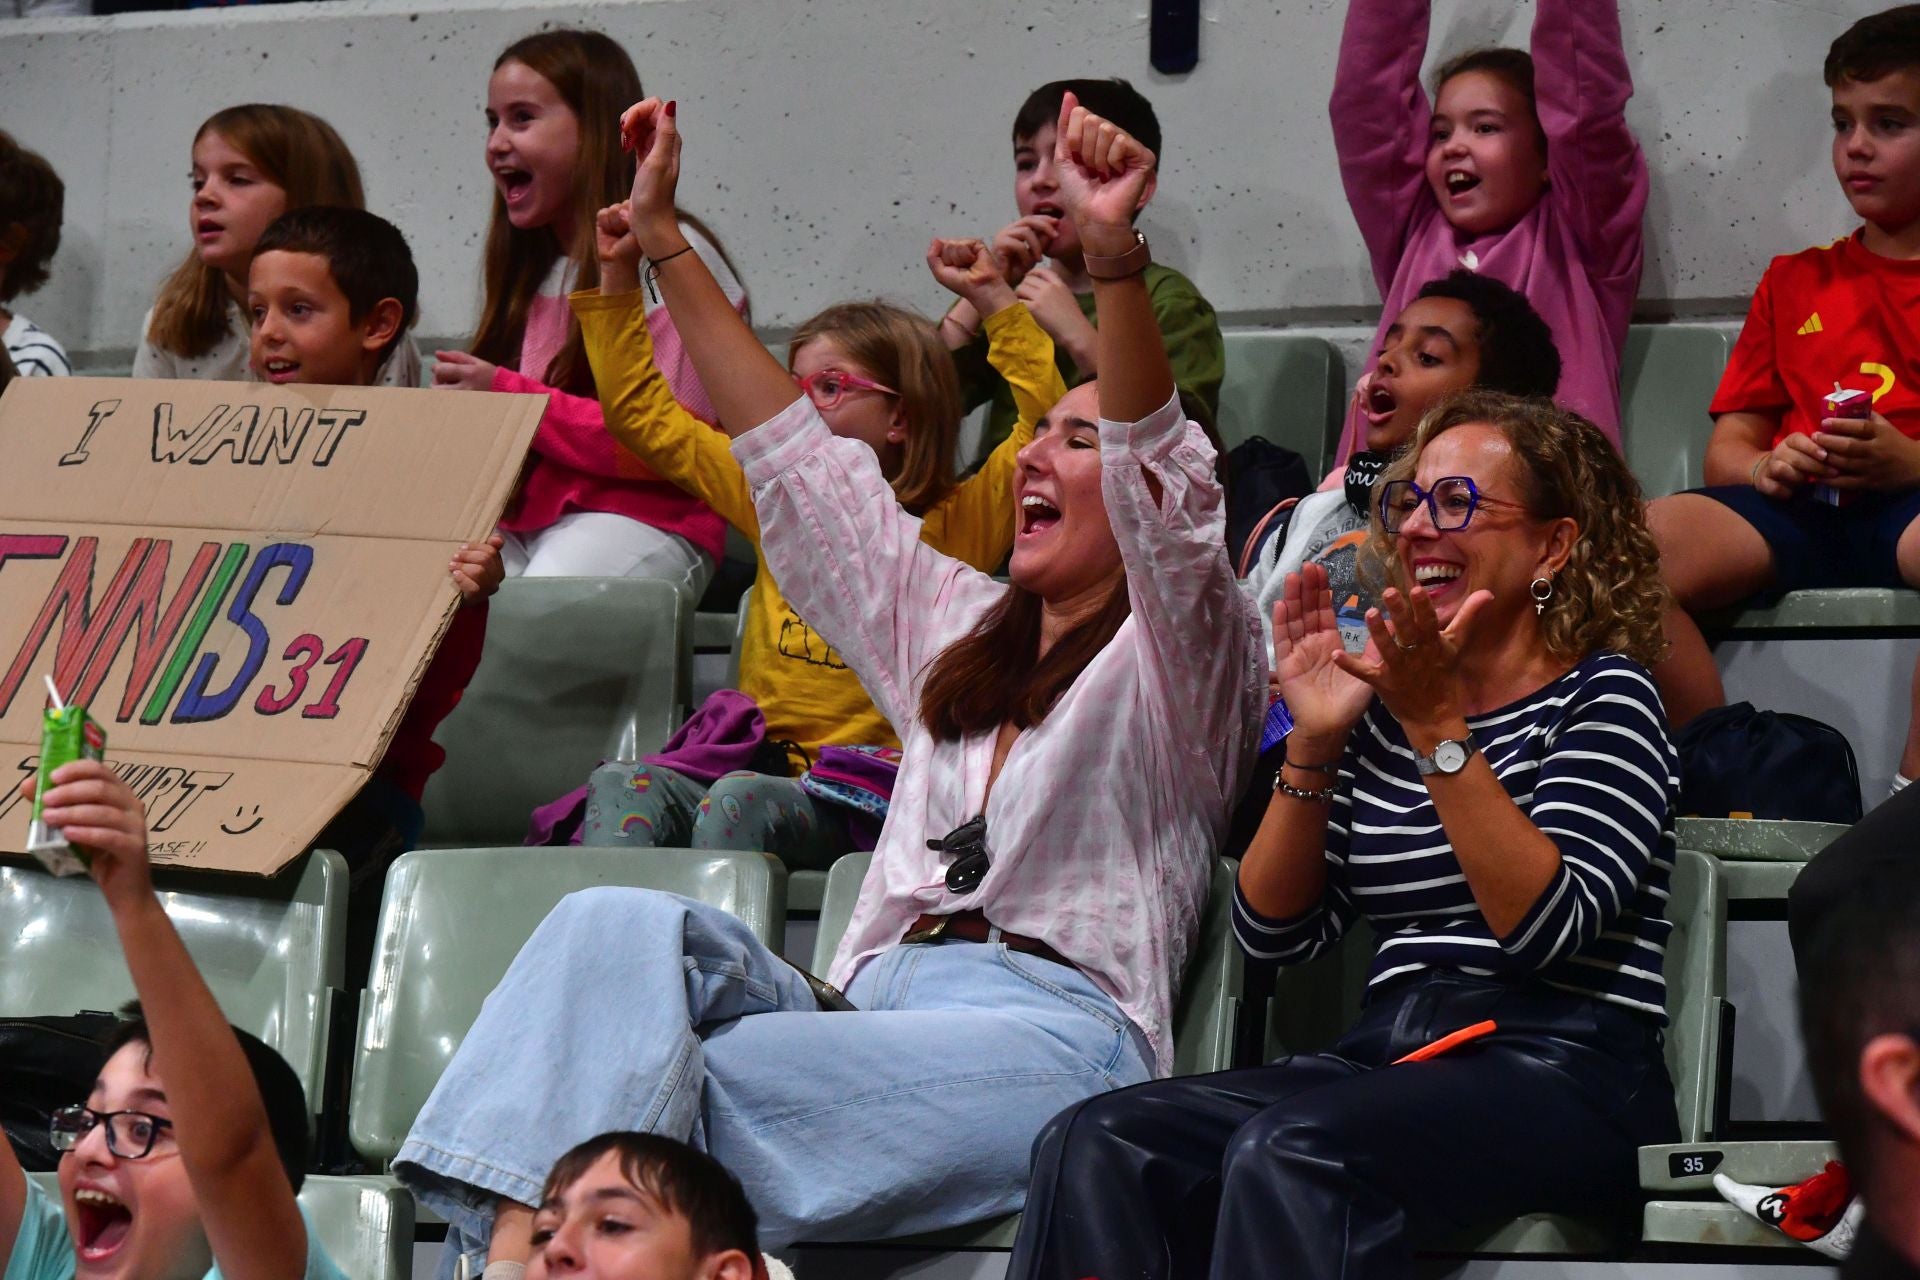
(1576,255)
(576,465)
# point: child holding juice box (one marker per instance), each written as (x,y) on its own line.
(1813,471)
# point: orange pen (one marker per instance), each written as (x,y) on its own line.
(1449,1042)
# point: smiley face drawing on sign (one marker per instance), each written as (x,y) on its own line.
(240,815)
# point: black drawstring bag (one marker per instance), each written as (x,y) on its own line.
(45,1064)
(1739,762)
(1260,476)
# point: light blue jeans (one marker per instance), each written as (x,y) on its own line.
(631,1009)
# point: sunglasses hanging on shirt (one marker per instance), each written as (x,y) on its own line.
(968,845)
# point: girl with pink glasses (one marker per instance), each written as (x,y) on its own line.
(879,375)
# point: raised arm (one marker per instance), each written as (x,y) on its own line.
(1199,642)
(1381,119)
(747,384)
(975,521)
(246,1205)
(847,558)
(1582,84)
(641,410)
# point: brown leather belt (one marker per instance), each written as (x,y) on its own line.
(972,926)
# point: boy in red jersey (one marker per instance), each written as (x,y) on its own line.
(1797,496)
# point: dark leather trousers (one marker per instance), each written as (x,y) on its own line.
(1334,1165)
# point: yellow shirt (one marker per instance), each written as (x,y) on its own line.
(806,692)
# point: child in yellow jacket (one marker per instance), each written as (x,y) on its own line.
(880,375)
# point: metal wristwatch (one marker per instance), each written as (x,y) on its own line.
(1448,757)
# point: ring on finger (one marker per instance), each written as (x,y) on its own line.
(1403,646)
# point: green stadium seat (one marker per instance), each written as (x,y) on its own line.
(1312,1003)
(364,1224)
(1668,374)
(1288,387)
(1759,859)
(1686,1210)
(273,951)
(452,921)
(576,671)
(1203,1022)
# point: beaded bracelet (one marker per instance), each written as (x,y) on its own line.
(1286,789)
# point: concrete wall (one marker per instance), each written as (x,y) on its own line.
(827,139)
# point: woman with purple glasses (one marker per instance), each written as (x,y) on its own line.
(1490,786)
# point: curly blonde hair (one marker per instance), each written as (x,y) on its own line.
(1609,595)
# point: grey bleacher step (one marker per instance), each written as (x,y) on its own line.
(806,890)
(1747,881)
(1709,1222)
(1745,840)
(713,632)
(1836,608)
(1689,1167)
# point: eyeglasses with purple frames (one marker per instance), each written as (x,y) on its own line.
(1450,503)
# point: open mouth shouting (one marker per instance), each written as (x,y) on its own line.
(516,186)
(1459,182)
(1037,515)
(1380,404)
(101,1224)
(280,369)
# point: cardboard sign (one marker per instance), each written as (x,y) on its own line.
(243,583)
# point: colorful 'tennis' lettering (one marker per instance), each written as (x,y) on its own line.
(166,633)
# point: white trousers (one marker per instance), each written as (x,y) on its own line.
(599,544)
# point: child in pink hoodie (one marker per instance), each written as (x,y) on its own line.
(1543,191)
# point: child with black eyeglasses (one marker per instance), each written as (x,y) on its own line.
(185,1157)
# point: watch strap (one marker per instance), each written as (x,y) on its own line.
(1120,265)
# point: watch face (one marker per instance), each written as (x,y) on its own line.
(1450,757)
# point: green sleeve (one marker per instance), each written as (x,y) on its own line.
(1191,331)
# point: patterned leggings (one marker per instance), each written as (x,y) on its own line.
(648,805)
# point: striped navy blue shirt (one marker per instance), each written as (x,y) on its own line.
(1588,759)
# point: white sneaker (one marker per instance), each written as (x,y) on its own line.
(1775,1206)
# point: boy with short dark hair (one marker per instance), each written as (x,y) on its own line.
(681,1215)
(32,199)
(331,293)
(1041,255)
(187,1153)
(358,265)
(1813,471)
